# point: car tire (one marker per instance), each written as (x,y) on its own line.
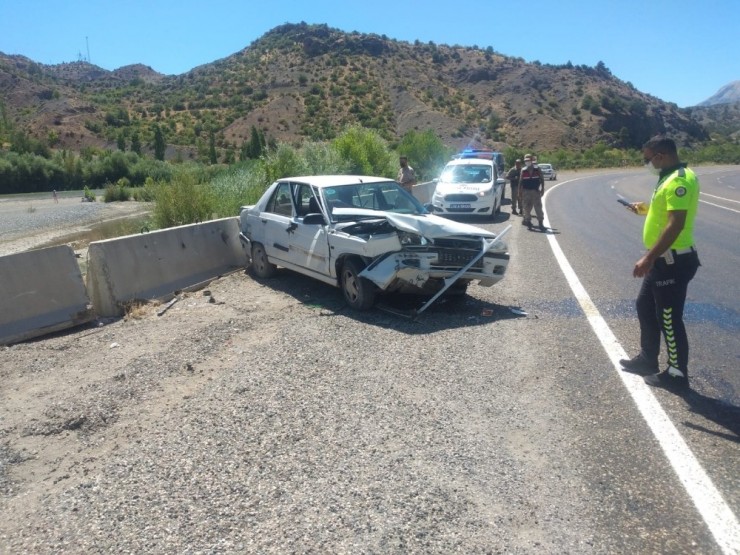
(261,266)
(359,293)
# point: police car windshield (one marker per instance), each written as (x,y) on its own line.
(470,173)
(385,196)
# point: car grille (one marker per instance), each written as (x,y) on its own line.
(456,259)
(460,198)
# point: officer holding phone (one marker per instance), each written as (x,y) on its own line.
(670,263)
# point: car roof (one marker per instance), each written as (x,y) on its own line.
(334,180)
(470,162)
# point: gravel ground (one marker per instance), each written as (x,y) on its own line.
(256,419)
(267,418)
(35,221)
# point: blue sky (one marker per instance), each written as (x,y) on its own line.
(680,51)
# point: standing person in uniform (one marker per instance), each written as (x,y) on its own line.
(406,175)
(513,177)
(531,189)
(670,263)
(54,196)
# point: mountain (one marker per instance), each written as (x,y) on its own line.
(729,94)
(303,81)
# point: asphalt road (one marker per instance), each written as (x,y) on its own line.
(601,240)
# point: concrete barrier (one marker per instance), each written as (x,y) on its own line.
(156,265)
(41,292)
(423,191)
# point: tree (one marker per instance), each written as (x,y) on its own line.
(159,146)
(366,151)
(425,151)
(136,143)
(212,157)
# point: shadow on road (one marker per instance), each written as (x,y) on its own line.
(720,412)
(394,311)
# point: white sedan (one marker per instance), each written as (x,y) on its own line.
(366,235)
(548,171)
(469,186)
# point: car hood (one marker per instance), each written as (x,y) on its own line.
(448,188)
(426,225)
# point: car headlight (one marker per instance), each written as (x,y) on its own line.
(408,239)
(485,192)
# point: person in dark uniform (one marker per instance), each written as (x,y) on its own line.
(513,177)
(531,189)
(667,268)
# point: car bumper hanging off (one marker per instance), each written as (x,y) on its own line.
(486,245)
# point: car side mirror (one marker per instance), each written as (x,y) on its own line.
(314,219)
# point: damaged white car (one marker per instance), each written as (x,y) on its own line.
(366,235)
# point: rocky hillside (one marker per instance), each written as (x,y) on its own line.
(729,94)
(309,81)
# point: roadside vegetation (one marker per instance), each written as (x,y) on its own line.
(189,192)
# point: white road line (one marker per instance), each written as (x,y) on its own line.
(721,198)
(716,513)
(719,206)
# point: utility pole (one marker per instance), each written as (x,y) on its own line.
(88,51)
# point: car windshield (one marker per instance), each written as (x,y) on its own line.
(387,196)
(469,173)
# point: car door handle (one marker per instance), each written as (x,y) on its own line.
(291,228)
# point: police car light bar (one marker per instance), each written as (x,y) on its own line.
(486,154)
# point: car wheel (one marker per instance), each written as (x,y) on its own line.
(358,292)
(261,266)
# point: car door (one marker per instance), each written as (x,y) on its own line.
(273,222)
(308,242)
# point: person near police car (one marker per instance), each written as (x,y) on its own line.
(531,189)
(406,174)
(513,177)
(670,263)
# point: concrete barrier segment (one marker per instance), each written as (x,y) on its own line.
(424,191)
(155,265)
(41,292)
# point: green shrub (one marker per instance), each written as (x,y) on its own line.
(366,152)
(237,187)
(143,194)
(117,193)
(89,195)
(182,201)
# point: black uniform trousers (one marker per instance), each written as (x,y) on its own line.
(660,306)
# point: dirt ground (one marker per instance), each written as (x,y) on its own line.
(68,401)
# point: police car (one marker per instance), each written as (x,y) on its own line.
(470,184)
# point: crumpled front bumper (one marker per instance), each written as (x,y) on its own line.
(414,267)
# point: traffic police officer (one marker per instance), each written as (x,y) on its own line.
(669,264)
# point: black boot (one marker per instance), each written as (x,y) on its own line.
(639,365)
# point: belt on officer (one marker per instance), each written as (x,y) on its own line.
(687,250)
(670,253)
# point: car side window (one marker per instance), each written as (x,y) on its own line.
(280,201)
(306,202)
